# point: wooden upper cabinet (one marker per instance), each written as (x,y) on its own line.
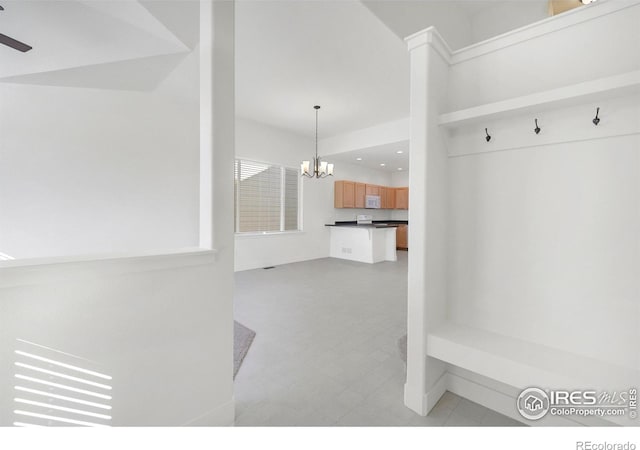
(372,189)
(361,190)
(402,198)
(350,194)
(391,198)
(383,197)
(344,194)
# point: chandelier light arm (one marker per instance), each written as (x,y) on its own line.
(320,169)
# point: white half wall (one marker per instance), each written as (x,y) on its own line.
(160,326)
(260,142)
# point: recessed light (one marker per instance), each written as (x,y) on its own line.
(399,152)
(382,164)
(358,159)
(399,168)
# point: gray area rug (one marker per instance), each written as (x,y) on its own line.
(242,339)
(402,347)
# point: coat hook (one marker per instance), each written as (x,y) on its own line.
(488,138)
(537,128)
(596,119)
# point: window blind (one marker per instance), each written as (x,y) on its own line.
(266,197)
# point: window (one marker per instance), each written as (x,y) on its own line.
(267,197)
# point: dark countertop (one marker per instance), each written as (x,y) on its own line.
(375,224)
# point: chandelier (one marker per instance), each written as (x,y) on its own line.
(320,169)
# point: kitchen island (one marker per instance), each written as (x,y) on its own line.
(368,243)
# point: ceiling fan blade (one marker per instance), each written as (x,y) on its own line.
(20,46)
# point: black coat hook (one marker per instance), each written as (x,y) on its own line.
(488,138)
(537,128)
(596,119)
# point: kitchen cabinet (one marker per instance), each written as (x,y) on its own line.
(344,194)
(351,194)
(402,198)
(372,189)
(363,243)
(391,198)
(361,192)
(402,237)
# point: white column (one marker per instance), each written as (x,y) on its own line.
(217,122)
(426,381)
(217,153)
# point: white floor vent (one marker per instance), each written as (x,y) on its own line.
(53,388)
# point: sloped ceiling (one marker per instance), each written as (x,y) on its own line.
(122,44)
(291,55)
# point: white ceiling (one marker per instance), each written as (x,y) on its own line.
(111,44)
(347,56)
(291,55)
(374,157)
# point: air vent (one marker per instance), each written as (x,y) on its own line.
(53,388)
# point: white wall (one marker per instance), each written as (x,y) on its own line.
(531,65)
(385,133)
(546,235)
(94,170)
(264,143)
(161,326)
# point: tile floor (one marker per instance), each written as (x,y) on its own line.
(325,351)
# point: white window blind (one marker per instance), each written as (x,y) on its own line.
(267,197)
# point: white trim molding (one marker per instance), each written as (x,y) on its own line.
(592,11)
(43,270)
(430,36)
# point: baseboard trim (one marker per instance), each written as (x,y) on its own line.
(222,416)
(424,403)
(434,394)
(415,400)
(500,402)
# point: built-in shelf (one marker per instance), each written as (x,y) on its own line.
(623,84)
(523,364)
